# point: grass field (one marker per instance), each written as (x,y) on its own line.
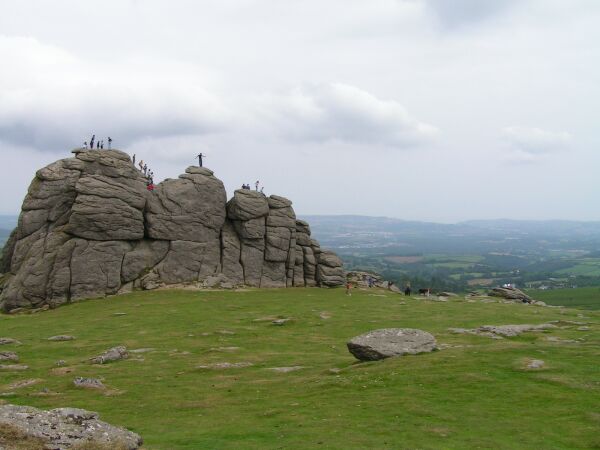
(583,298)
(474,393)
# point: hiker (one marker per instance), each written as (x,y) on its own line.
(85,144)
(348,288)
(262,190)
(407,290)
(102,144)
(256,184)
(110,142)
(141,165)
(92,141)
(145,169)
(133,154)
(150,186)
(98,145)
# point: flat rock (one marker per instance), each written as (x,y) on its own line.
(285,369)
(535,364)
(66,428)
(61,337)
(387,342)
(24,383)
(88,383)
(225,365)
(9,356)
(112,354)
(502,331)
(7,341)
(281,321)
(142,350)
(10,367)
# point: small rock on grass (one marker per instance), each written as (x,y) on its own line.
(280,322)
(9,356)
(24,383)
(535,364)
(285,369)
(89,383)
(61,338)
(13,367)
(225,365)
(584,328)
(7,340)
(112,354)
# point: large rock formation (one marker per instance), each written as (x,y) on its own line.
(90,228)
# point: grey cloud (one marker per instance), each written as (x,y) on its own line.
(458,13)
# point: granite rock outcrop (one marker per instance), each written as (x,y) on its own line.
(89,227)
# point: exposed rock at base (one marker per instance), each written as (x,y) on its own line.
(388,342)
(65,428)
(90,228)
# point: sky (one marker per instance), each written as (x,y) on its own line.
(437,110)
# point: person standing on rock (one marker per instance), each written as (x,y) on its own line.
(141,165)
(85,144)
(256,184)
(92,141)
(109,144)
(102,144)
(133,154)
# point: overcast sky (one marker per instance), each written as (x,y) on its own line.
(439,110)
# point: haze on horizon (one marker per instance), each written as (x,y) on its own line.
(429,110)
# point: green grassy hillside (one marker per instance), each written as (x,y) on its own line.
(474,393)
(582,298)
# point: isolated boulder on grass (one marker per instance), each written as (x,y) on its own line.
(387,342)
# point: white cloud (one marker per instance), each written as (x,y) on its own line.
(48,97)
(337,112)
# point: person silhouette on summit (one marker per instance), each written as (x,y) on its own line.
(92,141)
(109,144)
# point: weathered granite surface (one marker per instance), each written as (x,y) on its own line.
(90,228)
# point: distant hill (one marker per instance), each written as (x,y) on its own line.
(474,236)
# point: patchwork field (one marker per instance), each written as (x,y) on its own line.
(474,393)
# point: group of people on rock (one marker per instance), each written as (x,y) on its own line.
(256,185)
(99,143)
(145,170)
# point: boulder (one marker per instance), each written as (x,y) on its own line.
(112,354)
(191,208)
(387,342)
(64,428)
(246,205)
(90,228)
(510,294)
